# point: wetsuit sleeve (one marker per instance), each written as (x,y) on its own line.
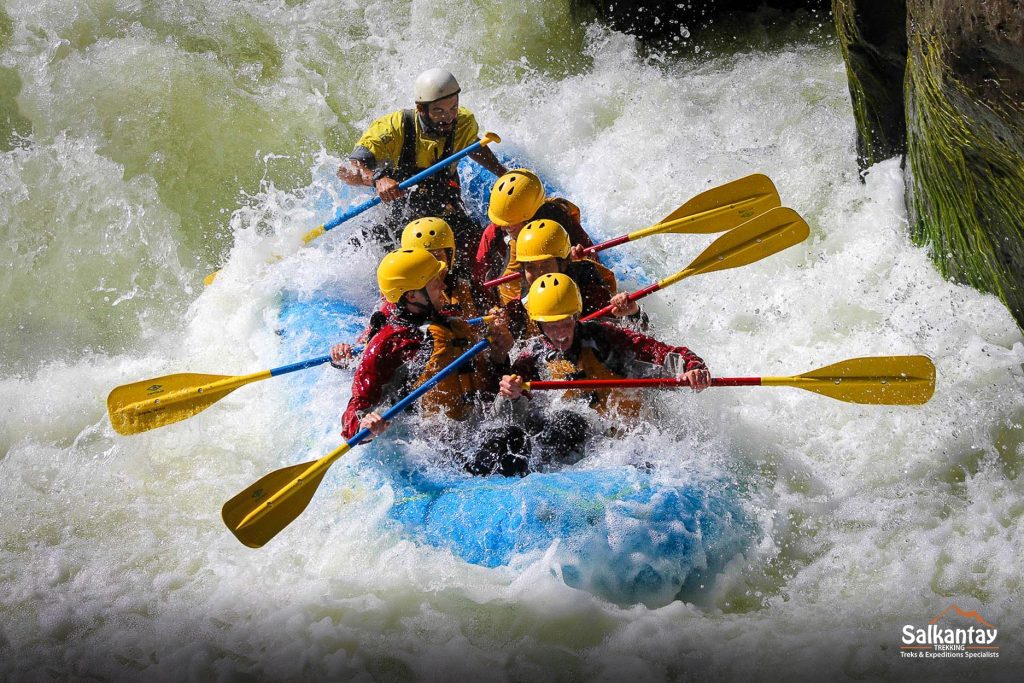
(518,319)
(382,142)
(593,290)
(527,363)
(380,362)
(631,351)
(467,131)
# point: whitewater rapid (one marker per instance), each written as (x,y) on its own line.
(169,140)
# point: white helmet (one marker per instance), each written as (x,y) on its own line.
(435,84)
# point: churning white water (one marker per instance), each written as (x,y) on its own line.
(157,141)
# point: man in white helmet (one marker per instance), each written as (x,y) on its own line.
(400,144)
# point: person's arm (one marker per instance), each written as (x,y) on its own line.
(361,173)
(484,263)
(468,133)
(356,172)
(486,158)
(500,338)
(626,347)
(341,356)
(518,318)
(377,368)
(622,307)
(375,153)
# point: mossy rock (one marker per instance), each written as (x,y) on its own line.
(873,40)
(965,141)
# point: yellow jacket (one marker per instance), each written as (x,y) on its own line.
(384,139)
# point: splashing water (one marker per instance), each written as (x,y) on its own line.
(155,142)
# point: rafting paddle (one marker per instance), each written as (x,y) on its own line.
(762,236)
(375,200)
(716,210)
(140,406)
(261,511)
(878,380)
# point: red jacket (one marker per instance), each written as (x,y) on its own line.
(492,254)
(377,376)
(400,354)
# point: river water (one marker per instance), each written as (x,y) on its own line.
(154,142)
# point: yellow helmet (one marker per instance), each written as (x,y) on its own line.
(553,297)
(406,270)
(429,234)
(542,240)
(515,197)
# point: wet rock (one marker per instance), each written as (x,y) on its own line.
(965,140)
(873,39)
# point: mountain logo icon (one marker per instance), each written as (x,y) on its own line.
(966,615)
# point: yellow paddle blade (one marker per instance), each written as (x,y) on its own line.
(760,237)
(721,208)
(880,380)
(208,280)
(313,234)
(261,511)
(152,403)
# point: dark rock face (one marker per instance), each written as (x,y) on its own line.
(873,38)
(942,81)
(661,22)
(965,140)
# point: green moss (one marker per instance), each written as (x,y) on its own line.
(967,175)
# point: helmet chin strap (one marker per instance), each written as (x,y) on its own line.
(420,310)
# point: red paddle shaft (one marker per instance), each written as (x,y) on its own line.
(635,383)
(638,294)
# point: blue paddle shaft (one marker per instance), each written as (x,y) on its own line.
(313,362)
(301,365)
(422,389)
(426,173)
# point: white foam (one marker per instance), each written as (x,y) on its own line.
(870,517)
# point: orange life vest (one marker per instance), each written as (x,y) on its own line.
(452,395)
(608,402)
(460,298)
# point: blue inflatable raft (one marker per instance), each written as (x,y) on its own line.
(624,534)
